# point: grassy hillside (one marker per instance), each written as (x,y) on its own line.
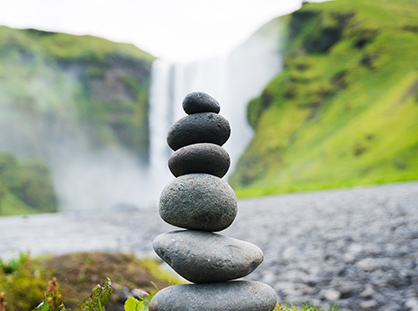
(25,186)
(344,110)
(55,85)
(63,98)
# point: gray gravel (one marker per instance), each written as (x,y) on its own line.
(356,247)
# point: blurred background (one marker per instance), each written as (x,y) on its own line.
(322,98)
(95,113)
(319,96)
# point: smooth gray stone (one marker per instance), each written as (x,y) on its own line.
(205,127)
(228,296)
(198,201)
(200,158)
(203,257)
(197,102)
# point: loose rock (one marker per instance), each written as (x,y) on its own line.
(200,158)
(203,257)
(198,201)
(368,305)
(367,293)
(332,295)
(228,296)
(412,304)
(196,102)
(207,127)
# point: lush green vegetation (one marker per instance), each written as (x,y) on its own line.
(23,282)
(25,186)
(62,93)
(344,110)
(54,86)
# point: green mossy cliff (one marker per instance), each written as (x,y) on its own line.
(25,186)
(58,83)
(61,95)
(344,110)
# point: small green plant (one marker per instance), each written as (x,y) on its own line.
(98,298)
(304,307)
(95,302)
(141,304)
(53,299)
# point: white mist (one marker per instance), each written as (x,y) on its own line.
(233,80)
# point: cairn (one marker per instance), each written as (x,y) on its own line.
(199,201)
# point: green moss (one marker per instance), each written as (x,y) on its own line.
(23,282)
(343,112)
(154,268)
(25,187)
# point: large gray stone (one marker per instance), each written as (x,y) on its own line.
(228,296)
(206,127)
(198,201)
(203,257)
(200,158)
(197,102)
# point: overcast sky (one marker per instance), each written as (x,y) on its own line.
(170,29)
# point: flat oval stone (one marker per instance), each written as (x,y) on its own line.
(206,127)
(198,201)
(203,257)
(228,296)
(200,158)
(197,102)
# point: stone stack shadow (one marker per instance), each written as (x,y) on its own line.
(201,202)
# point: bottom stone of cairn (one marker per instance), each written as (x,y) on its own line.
(226,296)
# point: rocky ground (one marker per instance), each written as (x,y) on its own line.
(356,247)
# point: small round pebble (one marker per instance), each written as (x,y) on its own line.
(196,102)
(198,201)
(203,257)
(207,127)
(228,296)
(200,158)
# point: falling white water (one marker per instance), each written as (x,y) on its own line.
(233,80)
(159,114)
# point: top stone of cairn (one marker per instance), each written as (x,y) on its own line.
(197,102)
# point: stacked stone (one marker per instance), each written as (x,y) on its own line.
(199,201)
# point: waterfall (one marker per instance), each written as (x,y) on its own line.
(92,177)
(233,80)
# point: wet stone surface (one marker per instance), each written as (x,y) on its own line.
(198,201)
(197,102)
(361,243)
(202,257)
(204,127)
(228,296)
(200,158)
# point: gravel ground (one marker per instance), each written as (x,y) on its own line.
(355,247)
